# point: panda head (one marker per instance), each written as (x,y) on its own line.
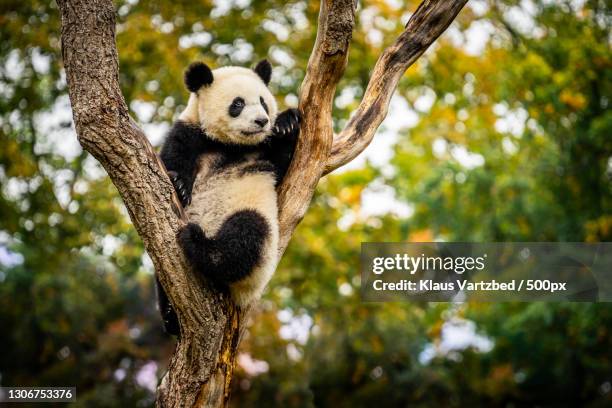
(231,104)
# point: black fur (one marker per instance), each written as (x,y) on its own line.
(264,104)
(236,107)
(233,252)
(198,75)
(260,166)
(281,145)
(169,317)
(180,153)
(264,70)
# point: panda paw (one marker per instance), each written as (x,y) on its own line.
(181,188)
(287,123)
(192,240)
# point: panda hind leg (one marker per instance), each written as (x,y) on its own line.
(232,253)
(193,241)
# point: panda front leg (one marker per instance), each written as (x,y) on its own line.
(232,253)
(283,140)
(287,124)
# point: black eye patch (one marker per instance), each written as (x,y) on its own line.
(236,107)
(263,103)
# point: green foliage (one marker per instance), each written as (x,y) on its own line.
(509,143)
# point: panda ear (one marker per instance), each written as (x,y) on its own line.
(264,70)
(198,75)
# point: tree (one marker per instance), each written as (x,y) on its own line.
(201,368)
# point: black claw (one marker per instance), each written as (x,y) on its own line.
(288,123)
(181,188)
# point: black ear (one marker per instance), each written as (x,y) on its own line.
(264,70)
(198,75)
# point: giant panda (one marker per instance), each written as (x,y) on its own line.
(226,154)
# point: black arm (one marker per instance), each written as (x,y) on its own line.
(179,154)
(281,144)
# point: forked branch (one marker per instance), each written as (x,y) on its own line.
(426,24)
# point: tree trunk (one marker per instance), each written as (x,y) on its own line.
(201,367)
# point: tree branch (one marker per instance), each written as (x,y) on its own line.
(325,68)
(430,20)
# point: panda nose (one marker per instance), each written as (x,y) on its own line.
(261,121)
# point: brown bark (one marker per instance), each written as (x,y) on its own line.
(201,368)
(325,68)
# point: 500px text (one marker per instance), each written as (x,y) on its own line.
(429,285)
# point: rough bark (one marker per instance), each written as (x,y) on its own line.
(201,368)
(325,68)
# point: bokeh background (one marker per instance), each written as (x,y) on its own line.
(502,131)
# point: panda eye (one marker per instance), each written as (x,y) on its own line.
(263,103)
(236,107)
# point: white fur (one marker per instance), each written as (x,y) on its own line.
(210,105)
(190,114)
